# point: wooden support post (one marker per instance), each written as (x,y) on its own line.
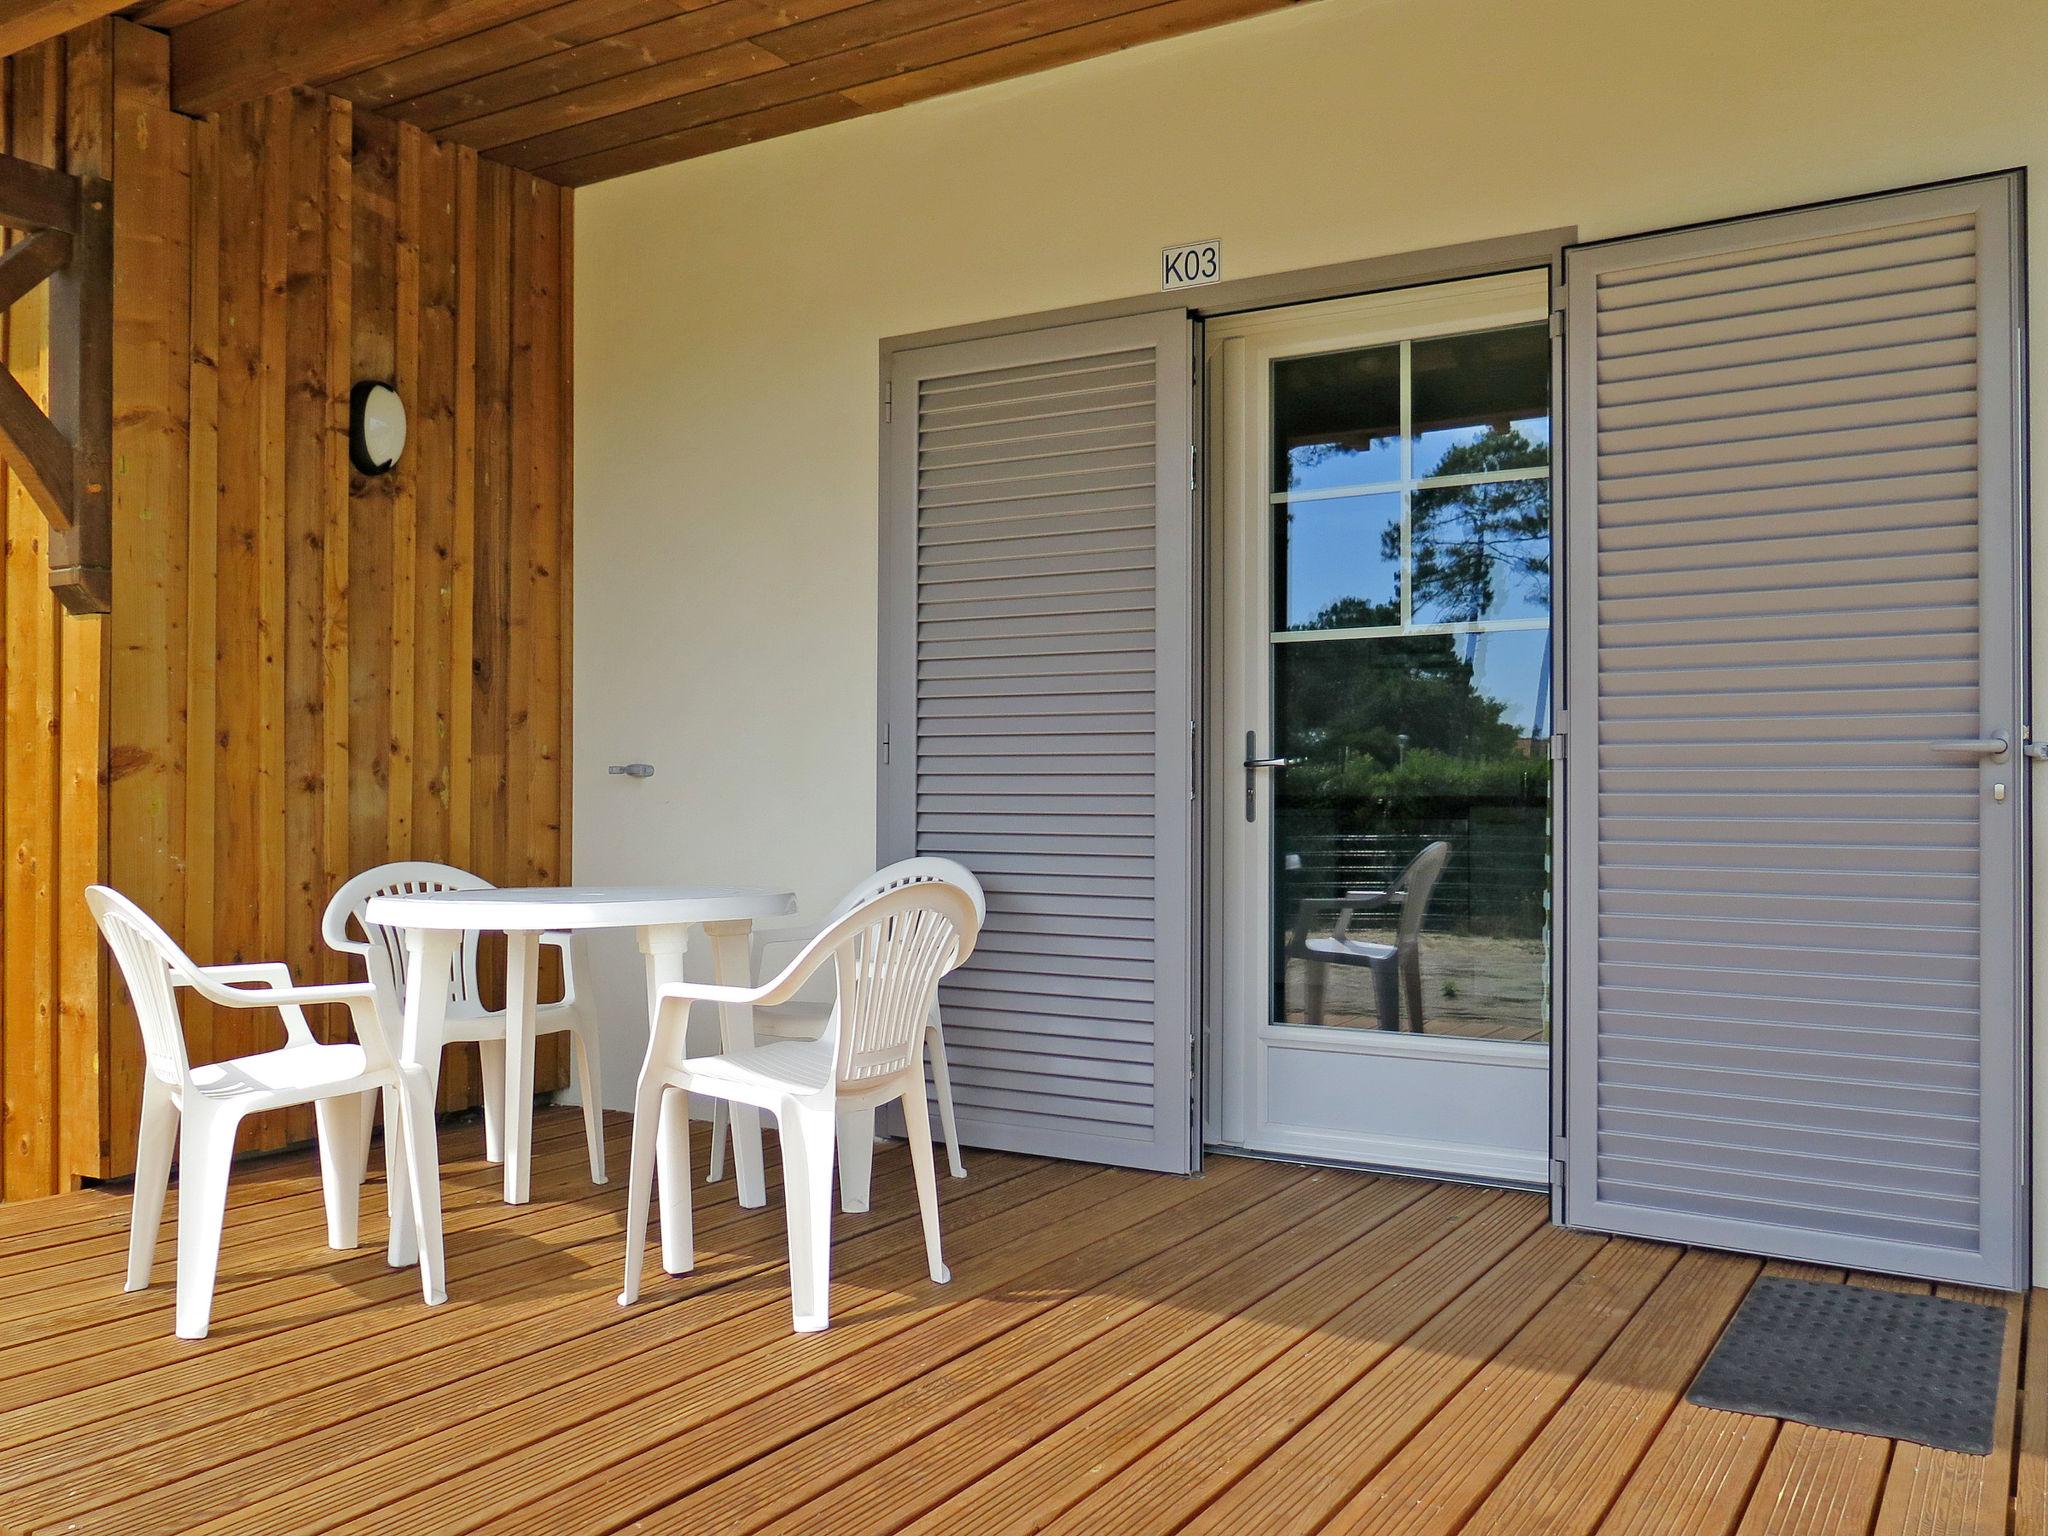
(64,458)
(82,405)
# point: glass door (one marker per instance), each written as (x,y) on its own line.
(1383,585)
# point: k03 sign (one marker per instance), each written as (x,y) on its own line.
(1191,266)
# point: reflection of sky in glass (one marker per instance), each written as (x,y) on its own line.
(1326,551)
(1512,666)
(1482,552)
(1431,447)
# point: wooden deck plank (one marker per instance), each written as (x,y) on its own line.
(1565,1482)
(1259,1251)
(2030,1476)
(1945,1493)
(1305,1480)
(491,1326)
(550,1426)
(1174,1478)
(1263,1349)
(1438,1478)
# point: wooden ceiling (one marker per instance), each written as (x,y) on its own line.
(583,90)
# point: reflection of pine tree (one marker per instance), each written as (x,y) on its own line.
(1344,701)
(1467,540)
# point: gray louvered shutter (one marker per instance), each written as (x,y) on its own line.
(1792,915)
(1037,692)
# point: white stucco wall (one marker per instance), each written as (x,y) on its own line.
(728,312)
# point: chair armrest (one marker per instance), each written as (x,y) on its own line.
(268,984)
(565,944)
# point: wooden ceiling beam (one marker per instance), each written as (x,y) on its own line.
(25,23)
(259,46)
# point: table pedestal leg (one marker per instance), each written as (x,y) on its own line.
(732,964)
(522,979)
(664,948)
(416,1225)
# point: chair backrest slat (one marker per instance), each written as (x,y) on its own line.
(383,947)
(1416,883)
(149,961)
(895,948)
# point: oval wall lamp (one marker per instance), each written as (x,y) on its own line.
(376,427)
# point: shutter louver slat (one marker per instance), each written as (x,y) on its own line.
(1790,975)
(1042,531)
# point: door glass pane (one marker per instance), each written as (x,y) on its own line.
(1337,562)
(1481,552)
(1337,419)
(1422,753)
(1482,401)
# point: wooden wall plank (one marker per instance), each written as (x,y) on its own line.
(490,619)
(308,627)
(148,666)
(203,754)
(402,669)
(373,321)
(307,670)
(28,888)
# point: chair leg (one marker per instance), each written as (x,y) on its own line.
(343,1155)
(919,1123)
(1314,979)
(640,1184)
(1386,993)
(807,1136)
(1411,987)
(672,1178)
(153,1146)
(206,1151)
(942,1087)
(590,1088)
(856,1159)
(368,1110)
(402,1246)
(491,1067)
(721,1127)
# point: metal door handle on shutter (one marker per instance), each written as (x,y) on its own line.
(1980,746)
(1253,761)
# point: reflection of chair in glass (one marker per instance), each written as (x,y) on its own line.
(1396,967)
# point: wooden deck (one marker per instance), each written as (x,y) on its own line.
(1265,1349)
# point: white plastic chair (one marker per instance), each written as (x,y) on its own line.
(890,953)
(201,1107)
(807,1021)
(383,953)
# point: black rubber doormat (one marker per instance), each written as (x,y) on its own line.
(1919,1368)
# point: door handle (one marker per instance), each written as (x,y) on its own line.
(1995,745)
(1252,763)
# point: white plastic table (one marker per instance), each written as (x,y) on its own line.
(434,924)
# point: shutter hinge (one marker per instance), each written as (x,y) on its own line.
(885,743)
(1557,748)
(1194,466)
(888,400)
(1557,325)
(1558,1150)
(1194,760)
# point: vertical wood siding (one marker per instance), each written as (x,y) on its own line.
(306,670)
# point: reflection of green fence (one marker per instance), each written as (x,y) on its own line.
(1494,883)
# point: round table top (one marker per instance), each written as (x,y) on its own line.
(535,909)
